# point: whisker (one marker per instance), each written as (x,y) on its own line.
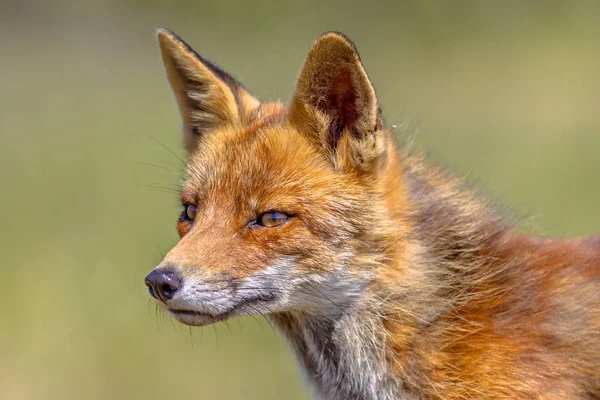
(157,166)
(178,168)
(237,289)
(157,316)
(237,278)
(167,185)
(227,325)
(165,147)
(327,297)
(216,335)
(263,315)
(149,307)
(256,319)
(164,188)
(171,192)
(192,339)
(161,252)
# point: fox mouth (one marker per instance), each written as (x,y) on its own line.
(241,308)
(196,318)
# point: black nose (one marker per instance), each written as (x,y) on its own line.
(162,284)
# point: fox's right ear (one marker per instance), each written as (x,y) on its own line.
(208,97)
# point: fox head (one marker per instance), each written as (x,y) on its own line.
(284,208)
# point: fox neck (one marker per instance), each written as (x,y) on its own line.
(360,351)
(342,358)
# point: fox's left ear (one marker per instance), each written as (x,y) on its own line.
(335,104)
(208,97)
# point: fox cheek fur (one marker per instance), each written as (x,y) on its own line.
(388,277)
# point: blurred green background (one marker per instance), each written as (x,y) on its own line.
(505,93)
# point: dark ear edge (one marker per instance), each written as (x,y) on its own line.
(233,83)
(207,96)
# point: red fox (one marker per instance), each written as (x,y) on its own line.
(387,276)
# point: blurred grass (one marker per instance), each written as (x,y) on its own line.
(506,94)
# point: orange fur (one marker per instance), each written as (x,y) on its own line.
(387,276)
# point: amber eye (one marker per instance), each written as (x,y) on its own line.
(270,219)
(189,212)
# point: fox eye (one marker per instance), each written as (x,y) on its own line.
(271,219)
(189,212)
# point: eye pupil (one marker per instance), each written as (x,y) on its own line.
(190,212)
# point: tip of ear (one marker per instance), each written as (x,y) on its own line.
(167,37)
(335,35)
(164,34)
(334,39)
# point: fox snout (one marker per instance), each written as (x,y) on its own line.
(162,284)
(197,298)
